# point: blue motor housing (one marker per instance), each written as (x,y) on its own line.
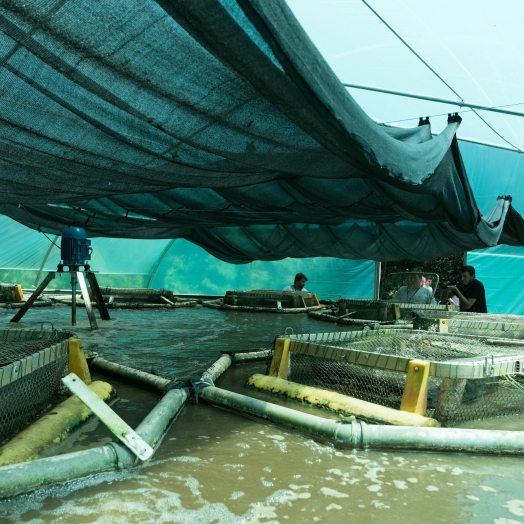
(75,248)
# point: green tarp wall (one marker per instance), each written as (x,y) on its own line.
(183,268)
(500,268)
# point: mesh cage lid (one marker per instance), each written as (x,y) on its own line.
(16,344)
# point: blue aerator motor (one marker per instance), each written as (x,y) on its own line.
(75,248)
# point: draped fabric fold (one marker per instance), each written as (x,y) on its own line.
(217,121)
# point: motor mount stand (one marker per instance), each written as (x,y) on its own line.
(77,277)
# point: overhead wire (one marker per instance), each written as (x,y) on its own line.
(37,226)
(436,74)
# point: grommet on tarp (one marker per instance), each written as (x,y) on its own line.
(454,117)
(423,121)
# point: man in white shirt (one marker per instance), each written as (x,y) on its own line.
(428,283)
(298,285)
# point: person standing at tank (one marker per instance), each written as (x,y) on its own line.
(298,285)
(470,292)
(414,292)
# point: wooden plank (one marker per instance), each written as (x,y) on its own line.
(285,361)
(6,378)
(116,425)
(443,325)
(77,362)
(280,343)
(415,396)
(15,372)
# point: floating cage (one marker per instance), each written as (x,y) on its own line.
(266,300)
(10,293)
(392,308)
(355,311)
(469,378)
(479,324)
(383,310)
(142,298)
(32,362)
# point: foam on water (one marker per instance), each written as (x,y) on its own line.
(217,467)
(515,506)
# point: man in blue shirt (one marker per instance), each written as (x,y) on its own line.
(414,292)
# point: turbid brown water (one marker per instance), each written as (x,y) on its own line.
(215,466)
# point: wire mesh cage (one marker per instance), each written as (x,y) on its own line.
(32,362)
(402,294)
(470,377)
(382,310)
(10,293)
(138,298)
(270,299)
(479,324)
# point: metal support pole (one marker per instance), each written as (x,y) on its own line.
(73,298)
(378,268)
(31,300)
(53,244)
(76,277)
(95,288)
(460,103)
(87,300)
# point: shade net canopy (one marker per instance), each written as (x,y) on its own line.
(218,122)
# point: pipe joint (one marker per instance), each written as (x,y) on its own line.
(123,457)
(180,384)
(364,444)
(349,433)
(198,383)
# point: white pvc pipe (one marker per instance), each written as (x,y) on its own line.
(251,356)
(361,435)
(135,375)
(443,439)
(29,476)
(218,368)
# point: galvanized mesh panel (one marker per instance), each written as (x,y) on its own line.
(380,386)
(372,366)
(383,310)
(485,398)
(25,399)
(423,345)
(269,298)
(12,350)
(503,326)
(31,366)
(403,343)
(480,317)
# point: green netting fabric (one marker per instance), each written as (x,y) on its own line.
(218,122)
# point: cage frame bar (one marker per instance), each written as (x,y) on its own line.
(470,368)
